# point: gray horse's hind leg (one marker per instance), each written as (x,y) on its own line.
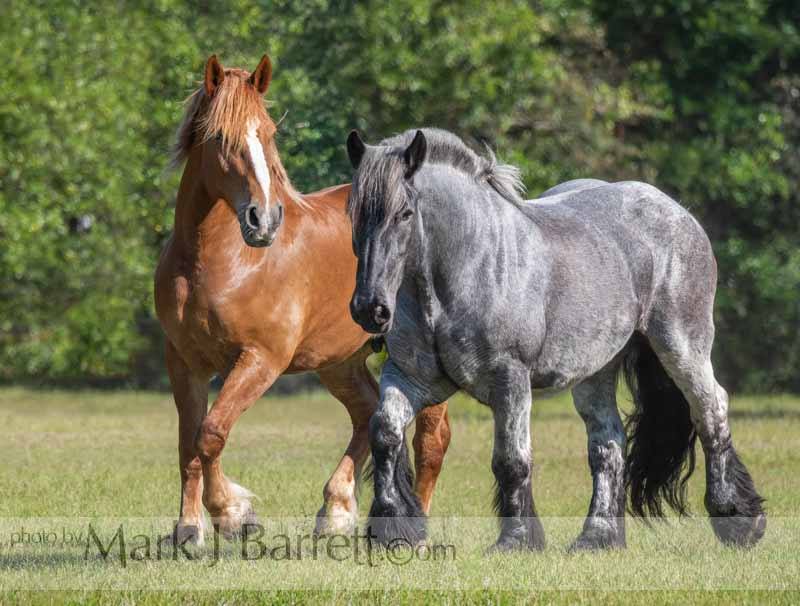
(520,527)
(595,400)
(731,499)
(680,330)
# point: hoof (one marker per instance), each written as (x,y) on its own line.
(739,531)
(735,507)
(595,540)
(333,519)
(506,546)
(236,518)
(396,531)
(188,534)
(508,543)
(251,528)
(393,524)
(234,527)
(600,533)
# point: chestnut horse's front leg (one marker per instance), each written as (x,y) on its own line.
(227,502)
(351,383)
(190,391)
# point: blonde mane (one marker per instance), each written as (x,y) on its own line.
(228,114)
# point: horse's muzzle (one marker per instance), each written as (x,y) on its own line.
(260,224)
(372,314)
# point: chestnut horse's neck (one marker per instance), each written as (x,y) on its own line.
(202,221)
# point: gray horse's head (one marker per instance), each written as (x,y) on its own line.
(382,205)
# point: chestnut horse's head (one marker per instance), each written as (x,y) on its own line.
(227,125)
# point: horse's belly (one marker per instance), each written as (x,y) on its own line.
(564,376)
(568,357)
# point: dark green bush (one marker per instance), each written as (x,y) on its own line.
(699,98)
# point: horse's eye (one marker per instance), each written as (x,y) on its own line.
(218,137)
(405,215)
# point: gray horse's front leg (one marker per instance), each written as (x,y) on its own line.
(520,527)
(595,400)
(396,516)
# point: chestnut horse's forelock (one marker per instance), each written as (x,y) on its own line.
(229,113)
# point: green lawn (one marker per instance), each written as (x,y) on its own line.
(108,457)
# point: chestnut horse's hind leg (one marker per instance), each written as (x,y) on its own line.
(227,502)
(431,439)
(191,399)
(596,402)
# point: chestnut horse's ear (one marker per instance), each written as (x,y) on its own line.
(214,75)
(262,75)
(355,148)
(415,154)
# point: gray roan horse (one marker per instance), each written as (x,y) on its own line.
(479,290)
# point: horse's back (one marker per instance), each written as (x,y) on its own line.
(638,214)
(636,228)
(628,209)
(574,184)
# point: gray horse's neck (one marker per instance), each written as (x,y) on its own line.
(467,236)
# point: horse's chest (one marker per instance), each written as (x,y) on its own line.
(203,322)
(472,349)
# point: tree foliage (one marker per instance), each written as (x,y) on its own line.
(700,99)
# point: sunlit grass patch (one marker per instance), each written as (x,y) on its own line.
(113,455)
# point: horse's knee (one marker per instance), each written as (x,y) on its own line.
(385,434)
(210,440)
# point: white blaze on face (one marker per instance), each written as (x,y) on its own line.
(258,160)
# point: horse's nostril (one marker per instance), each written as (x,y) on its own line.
(252,217)
(382,313)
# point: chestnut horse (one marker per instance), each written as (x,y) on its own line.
(255,282)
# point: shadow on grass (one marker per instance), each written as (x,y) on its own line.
(44,560)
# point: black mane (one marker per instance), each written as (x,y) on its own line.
(377,185)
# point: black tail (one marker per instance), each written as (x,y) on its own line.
(661,436)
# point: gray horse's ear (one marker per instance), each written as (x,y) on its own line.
(415,154)
(355,148)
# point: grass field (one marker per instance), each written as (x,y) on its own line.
(68,456)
